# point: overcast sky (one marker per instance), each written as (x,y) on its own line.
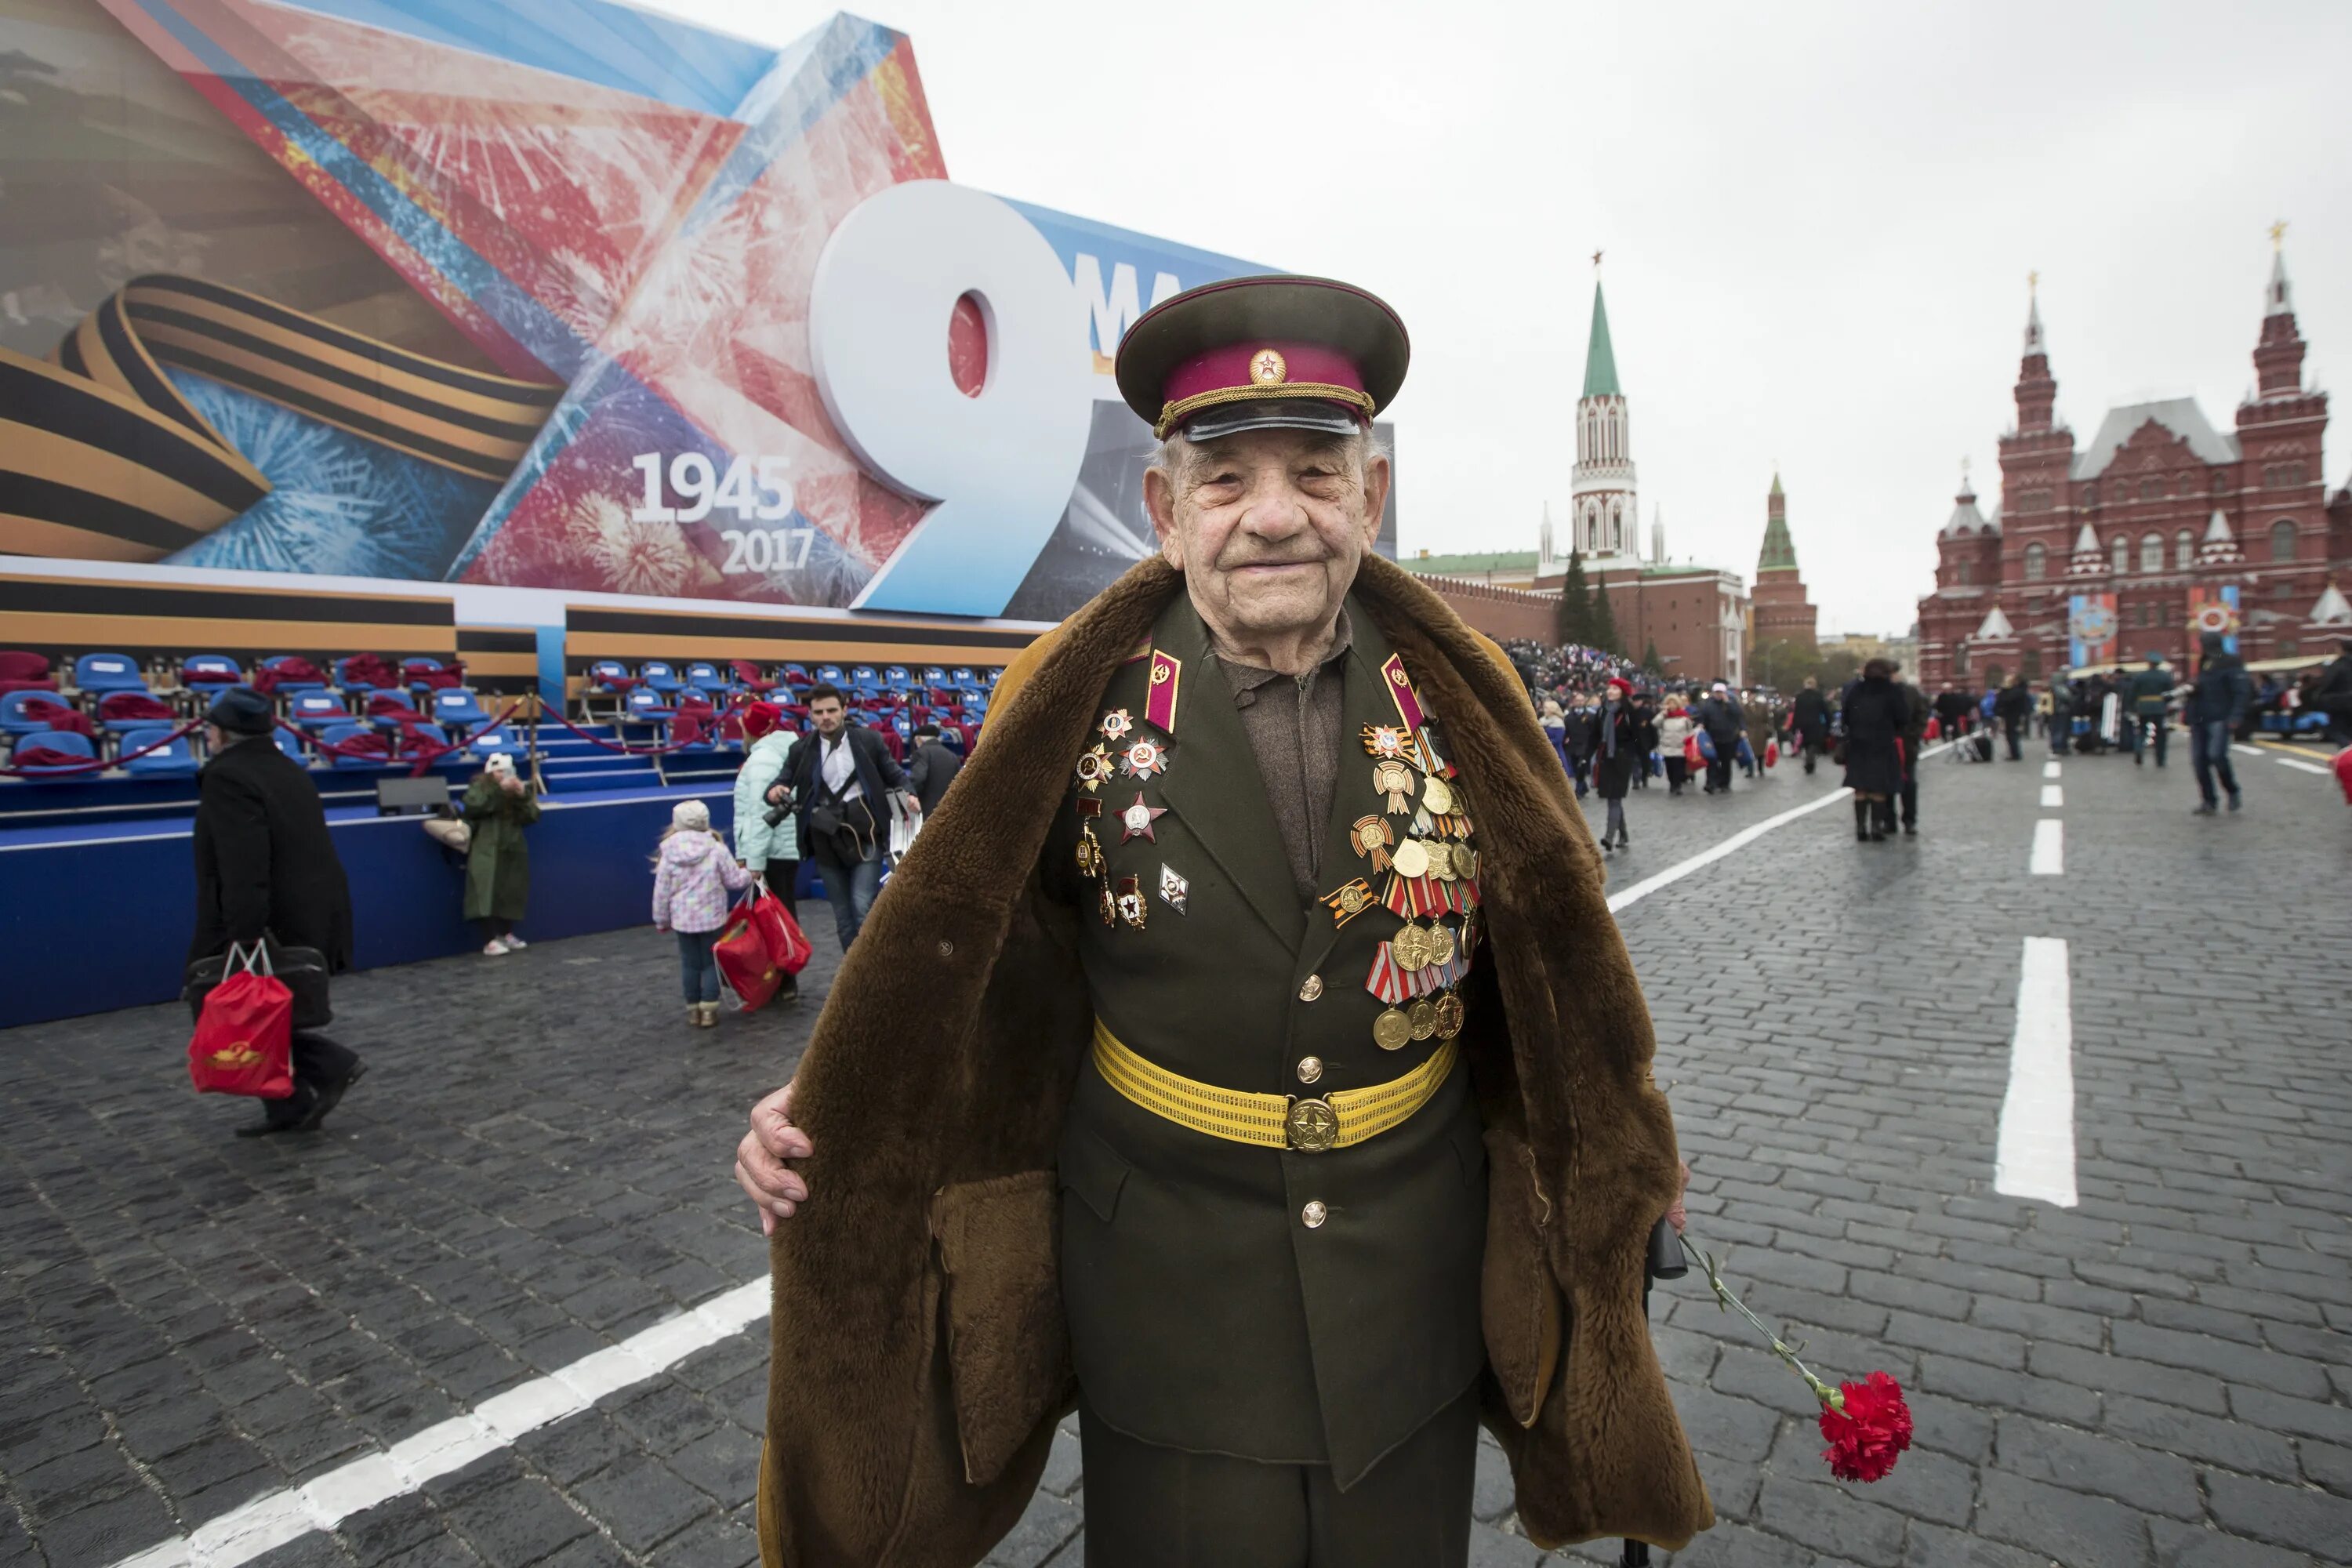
(1818,221)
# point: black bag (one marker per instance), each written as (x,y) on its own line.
(1981,743)
(303,968)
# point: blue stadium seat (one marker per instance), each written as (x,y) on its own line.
(210,672)
(290,688)
(344,682)
(290,743)
(343,734)
(864,680)
(898,678)
(708,742)
(645,706)
(961,675)
(68,742)
(177,760)
(317,710)
(830,675)
(491,742)
(100,673)
(20,711)
(710,679)
(605,674)
(660,678)
(934,676)
(457,708)
(991,677)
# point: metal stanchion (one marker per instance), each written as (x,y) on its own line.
(1665,1261)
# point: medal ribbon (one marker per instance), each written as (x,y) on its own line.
(1400,685)
(1160,702)
(1394,985)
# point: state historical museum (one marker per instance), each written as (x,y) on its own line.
(2161,528)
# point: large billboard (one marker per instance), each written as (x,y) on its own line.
(547,294)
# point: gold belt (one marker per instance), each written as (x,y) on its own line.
(1306,1125)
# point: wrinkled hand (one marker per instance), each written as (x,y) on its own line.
(1675,1216)
(759,1168)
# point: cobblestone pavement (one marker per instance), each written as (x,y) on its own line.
(537,1167)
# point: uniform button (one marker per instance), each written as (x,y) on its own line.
(1309,1069)
(1314,1214)
(1310,988)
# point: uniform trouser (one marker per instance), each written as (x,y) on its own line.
(1149,1507)
(2142,729)
(2208,754)
(318,1062)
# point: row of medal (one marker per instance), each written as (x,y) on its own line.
(1139,757)
(1431,872)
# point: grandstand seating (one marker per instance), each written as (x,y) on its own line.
(66,743)
(317,710)
(21,711)
(23,671)
(489,742)
(660,678)
(207,673)
(710,679)
(96,674)
(290,743)
(177,760)
(348,734)
(286,684)
(645,706)
(456,709)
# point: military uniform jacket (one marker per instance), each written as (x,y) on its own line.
(923,1344)
(1203,1313)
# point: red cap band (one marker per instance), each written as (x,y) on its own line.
(1221,369)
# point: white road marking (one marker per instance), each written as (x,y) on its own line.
(2301,766)
(2034,1156)
(2049,857)
(275,1518)
(2053,795)
(2250,751)
(1739,841)
(2050,770)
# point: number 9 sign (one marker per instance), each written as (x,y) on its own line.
(1001,465)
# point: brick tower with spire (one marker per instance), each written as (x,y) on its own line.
(1782,612)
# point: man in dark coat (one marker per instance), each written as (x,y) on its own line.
(841,776)
(266,866)
(1189,1138)
(2217,704)
(2013,705)
(1721,718)
(2333,694)
(2061,715)
(2150,694)
(1811,721)
(932,769)
(1914,735)
(1877,717)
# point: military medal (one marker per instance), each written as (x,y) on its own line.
(1391,743)
(1348,901)
(1372,836)
(1135,821)
(1090,849)
(1172,888)
(1466,861)
(1423,1018)
(1410,947)
(1094,766)
(1393,779)
(1115,725)
(1436,795)
(1392,1029)
(1411,859)
(1449,1015)
(1144,758)
(1106,905)
(1131,901)
(1441,943)
(1441,860)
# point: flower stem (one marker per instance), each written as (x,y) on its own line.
(1726,1298)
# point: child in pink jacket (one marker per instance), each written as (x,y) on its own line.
(694,872)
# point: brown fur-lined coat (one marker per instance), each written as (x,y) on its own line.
(920,1359)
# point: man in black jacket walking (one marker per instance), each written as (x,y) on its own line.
(932,769)
(2217,705)
(841,776)
(266,866)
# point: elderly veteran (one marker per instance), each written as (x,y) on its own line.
(1285,1105)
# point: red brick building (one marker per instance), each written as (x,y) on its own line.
(2161,510)
(1782,610)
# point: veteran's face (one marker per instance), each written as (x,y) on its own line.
(1268,527)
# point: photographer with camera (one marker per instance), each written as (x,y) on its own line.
(839,782)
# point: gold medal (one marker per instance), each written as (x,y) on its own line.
(1392,1029)
(1465,861)
(1441,943)
(1094,766)
(1437,795)
(1421,1017)
(1372,836)
(1090,854)
(1409,948)
(1441,862)
(1348,901)
(1393,779)
(1449,1015)
(1411,860)
(1107,907)
(1129,903)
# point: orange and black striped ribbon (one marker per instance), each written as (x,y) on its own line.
(102,459)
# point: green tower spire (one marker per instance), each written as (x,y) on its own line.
(1779,552)
(1600,360)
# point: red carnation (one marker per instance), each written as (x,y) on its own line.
(1868,1425)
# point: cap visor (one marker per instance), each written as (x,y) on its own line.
(1276,414)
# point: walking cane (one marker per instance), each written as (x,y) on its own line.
(1665,1261)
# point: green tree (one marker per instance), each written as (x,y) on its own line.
(1604,624)
(1650,659)
(1573,620)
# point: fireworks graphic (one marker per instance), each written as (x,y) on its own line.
(632,557)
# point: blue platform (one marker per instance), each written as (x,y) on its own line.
(98,876)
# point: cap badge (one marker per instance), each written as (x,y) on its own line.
(1268,368)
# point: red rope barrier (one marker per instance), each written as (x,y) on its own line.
(428,752)
(94,763)
(628,751)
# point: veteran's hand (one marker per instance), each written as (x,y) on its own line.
(759,1168)
(1675,1216)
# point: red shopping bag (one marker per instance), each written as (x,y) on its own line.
(1692,754)
(1771,754)
(787,944)
(244,1041)
(2342,766)
(1934,729)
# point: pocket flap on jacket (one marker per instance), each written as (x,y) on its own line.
(1093,1171)
(1008,1346)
